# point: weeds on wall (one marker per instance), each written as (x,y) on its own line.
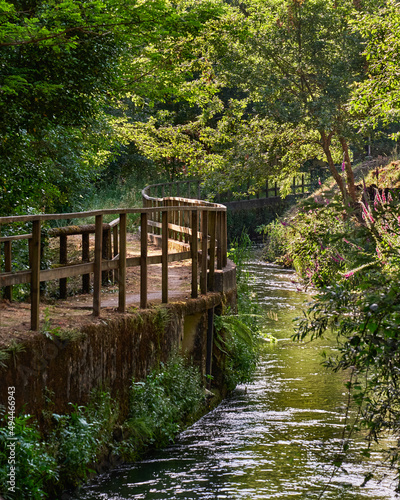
(162,405)
(44,467)
(238,335)
(65,456)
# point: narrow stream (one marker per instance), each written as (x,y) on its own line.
(274,439)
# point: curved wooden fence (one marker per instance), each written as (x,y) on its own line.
(195,229)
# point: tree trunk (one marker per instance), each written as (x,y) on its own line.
(349,171)
(326,143)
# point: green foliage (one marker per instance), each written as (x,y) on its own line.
(80,437)
(237,335)
(35,466)
(358,301)
(378,95)
(161,404)
(73,442)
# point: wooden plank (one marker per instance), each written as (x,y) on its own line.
(224,242)
(122,263)
(204,252)
(63,261)
(106,254)
(115,249)
(98,252)
(85,259)
(133,261)
(164,258)
(17,278)
(143,260)
(195,256)
(219,240)
(35,276)
(212,231)
(7,267)
(15,237)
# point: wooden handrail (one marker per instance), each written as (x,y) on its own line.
(176,217)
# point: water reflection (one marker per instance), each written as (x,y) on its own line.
(274,439)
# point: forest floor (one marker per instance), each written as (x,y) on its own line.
(76,311)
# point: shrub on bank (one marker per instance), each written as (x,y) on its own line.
(352,258)
(45,465)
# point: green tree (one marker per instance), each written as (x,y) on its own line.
(298,67)
(65,66)
(378,96)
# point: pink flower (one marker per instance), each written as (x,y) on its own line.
(343,166)
(319,181)
(350,273)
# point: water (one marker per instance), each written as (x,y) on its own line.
(274,439)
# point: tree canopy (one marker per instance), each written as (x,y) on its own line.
(65,68)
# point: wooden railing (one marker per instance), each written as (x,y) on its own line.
(198,228)
(193,189)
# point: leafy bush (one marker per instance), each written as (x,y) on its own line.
(34,464)
(238,334)
(44,468)
(361,306)
(161,404)
(79,438)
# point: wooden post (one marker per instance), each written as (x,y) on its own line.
(122,264)
(115,250)
(85,258)
(7,268)
(210,342)
(35,276)
(294,185)
(63,261)
(266,189)
(164,258)
(143,260)
(98,252)
(194,251)
(204,252)
(224,239)
(219,240)
(276,189)
(211,278)
(106,251)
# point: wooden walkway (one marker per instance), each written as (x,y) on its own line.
(186,231)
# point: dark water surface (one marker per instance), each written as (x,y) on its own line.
(274,439)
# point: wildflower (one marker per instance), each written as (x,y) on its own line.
(347,275)
(390,199)
(343,166)
(319,181)
(366,214)
(339,257)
